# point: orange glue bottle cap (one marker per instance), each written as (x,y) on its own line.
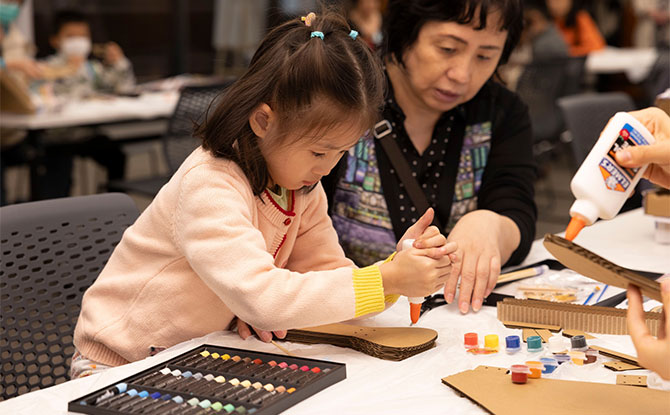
(574,227)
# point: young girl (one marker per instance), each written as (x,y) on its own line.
(242,229)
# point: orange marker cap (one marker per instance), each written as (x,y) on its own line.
(573,229)
(414,312)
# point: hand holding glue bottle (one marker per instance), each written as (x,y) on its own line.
(414,302)
(602,184)
(429,243)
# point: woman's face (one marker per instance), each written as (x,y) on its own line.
(559,8)
(449,62)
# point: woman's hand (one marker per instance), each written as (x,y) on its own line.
(652,353)
(657,155)
(243,329)
(485,240)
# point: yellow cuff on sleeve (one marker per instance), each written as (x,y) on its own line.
(369,290)
(391,298)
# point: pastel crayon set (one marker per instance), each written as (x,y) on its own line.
(215,380)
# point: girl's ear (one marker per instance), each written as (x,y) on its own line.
(261,120)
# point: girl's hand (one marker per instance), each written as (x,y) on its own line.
(427,237)
(414,273)
(484,238)
(652,353)
(266,336)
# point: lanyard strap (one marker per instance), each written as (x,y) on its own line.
(383,129)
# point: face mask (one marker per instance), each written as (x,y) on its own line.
(79,46)
(8,13)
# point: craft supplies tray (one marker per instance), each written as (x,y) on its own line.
(214,379)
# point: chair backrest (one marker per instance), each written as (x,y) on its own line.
(191,109)
(540,85)
(52,251)
(587,114)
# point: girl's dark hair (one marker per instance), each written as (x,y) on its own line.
(404,19)
(311,85)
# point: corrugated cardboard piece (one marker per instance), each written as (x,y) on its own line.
(389,343)
(593,266)
(589,318)
(494,391)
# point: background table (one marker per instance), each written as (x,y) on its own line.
(414,385)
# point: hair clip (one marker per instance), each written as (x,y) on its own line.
(308,19)
(353,34)
(316,34)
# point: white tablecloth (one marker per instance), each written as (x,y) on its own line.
(375,386)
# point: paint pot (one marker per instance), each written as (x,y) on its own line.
(562,358)
(577,357)
(513,344)
(471,340)
(550,364)
(520,374)
(578,343)
(534,344)
(591,356)
(556,344)
(535,368)
(491,342)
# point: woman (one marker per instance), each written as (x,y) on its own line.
(465,139)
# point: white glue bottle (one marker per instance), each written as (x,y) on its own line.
(601,186)
(414,302)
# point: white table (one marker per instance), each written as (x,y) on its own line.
(414,385)
(97,111)
(636,63)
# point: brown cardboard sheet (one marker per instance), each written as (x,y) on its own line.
(494,391)
(570,333)
(619,366)
(389,343)
(592,319)
(657,203)
(593,266)
(527,325)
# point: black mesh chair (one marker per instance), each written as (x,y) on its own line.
(586,115)
(52,251)
(540,86)
(178,142)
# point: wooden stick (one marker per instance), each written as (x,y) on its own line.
(283,349)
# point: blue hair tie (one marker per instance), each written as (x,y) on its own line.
(316,34)
(353,34)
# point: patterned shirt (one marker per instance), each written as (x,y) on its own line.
(479,157)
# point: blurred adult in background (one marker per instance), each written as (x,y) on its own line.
(652,26)
(579,30)
(17,51)
(366,17)
(541,33)
(17,66)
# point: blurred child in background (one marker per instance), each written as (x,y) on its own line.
(79,75)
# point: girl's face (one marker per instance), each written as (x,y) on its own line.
(304,161)
(559,8)
(449,62)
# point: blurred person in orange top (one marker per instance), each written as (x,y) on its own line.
(577,27)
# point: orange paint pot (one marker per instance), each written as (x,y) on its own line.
(535,368)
